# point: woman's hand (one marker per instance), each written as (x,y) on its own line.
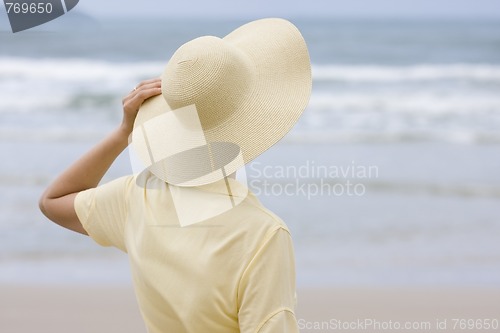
(132,102)
(57,202)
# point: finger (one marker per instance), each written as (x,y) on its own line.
(146,93)
(147,85)
(155,84)
(148,82)
(141,85)
(138,98)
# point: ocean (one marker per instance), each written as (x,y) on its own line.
(391,176)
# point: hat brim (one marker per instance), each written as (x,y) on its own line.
(279,96)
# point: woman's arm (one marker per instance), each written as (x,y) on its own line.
(57,201)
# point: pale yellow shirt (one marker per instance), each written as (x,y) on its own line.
(234,272)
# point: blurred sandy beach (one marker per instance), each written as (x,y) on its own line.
(113,309)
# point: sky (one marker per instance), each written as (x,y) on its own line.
(476,9)
(291,9)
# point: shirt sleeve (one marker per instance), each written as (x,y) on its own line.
(266,294)
(102,211)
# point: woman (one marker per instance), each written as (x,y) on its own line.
(205,255)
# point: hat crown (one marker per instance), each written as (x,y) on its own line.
(211,74)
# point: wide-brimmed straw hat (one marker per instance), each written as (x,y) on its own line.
(247,89)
